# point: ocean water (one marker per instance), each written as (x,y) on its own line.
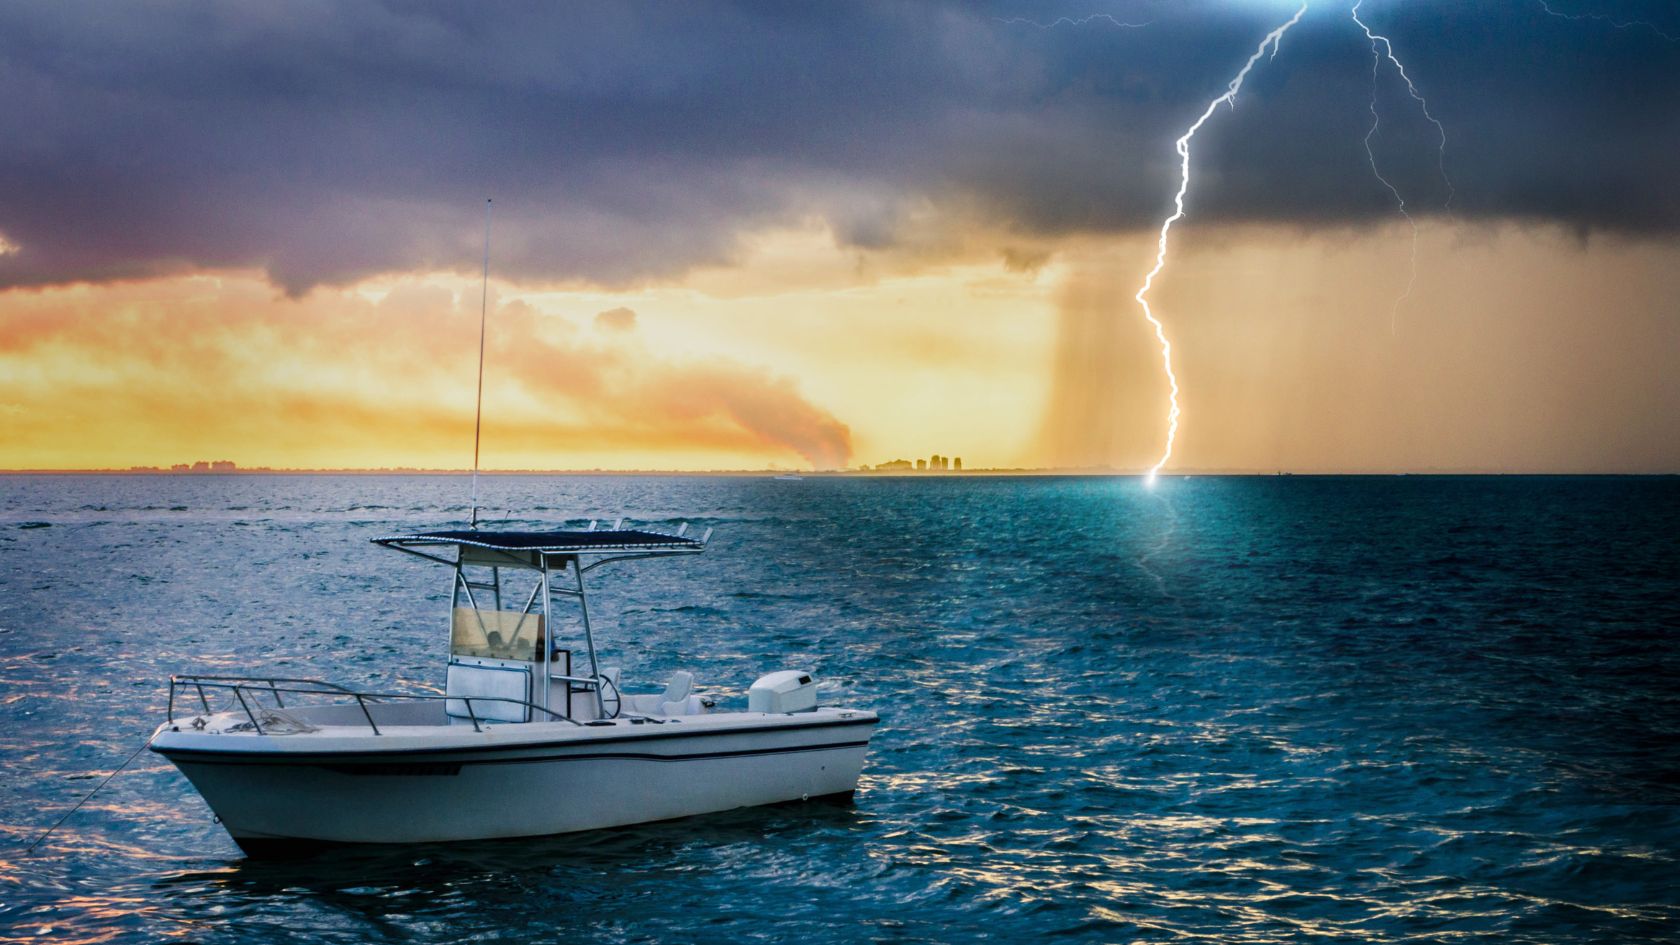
(1229,709)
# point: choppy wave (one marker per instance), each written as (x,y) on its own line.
(1256,710)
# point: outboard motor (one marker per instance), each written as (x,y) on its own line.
(790,690)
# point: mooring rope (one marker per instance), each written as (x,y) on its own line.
(90,794)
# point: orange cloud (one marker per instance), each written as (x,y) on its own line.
(176,369)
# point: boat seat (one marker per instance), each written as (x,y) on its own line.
(677,699)
(677,690)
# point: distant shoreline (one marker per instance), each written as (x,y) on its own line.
(830,474)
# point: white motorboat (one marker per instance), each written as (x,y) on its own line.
(520,742)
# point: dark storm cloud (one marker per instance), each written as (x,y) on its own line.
(328,141)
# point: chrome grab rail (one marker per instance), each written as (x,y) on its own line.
(240,685)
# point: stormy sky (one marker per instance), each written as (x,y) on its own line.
(324,142)
(730,234)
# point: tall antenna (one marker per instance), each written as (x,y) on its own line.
(483,310)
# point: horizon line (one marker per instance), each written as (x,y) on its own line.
(1103,471)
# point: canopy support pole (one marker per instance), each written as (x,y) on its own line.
(548,647)
(462,584)
(589,638)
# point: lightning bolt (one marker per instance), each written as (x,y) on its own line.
(1272,40)
(1071,21)
(1382,48)
(1411,89)
(1399,201)
(1606,18)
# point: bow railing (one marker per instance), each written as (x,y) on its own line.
(248,690)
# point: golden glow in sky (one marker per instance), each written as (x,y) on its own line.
(804,354)
(743,367)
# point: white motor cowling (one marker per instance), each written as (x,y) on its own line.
(790,690)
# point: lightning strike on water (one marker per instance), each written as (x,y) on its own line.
(1071,21)
(1272,40)
(1610,20)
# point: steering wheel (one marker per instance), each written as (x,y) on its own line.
(610,704)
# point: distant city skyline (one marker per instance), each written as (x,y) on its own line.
(934,463)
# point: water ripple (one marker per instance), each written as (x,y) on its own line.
(1232,710)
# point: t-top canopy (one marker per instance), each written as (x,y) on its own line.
(569,542)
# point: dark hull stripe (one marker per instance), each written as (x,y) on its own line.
(195,754)
(411,768)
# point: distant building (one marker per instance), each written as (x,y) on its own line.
(957,464)
(921,465)
(206,466)
(894,465)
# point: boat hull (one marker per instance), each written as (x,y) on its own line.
(283,793)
